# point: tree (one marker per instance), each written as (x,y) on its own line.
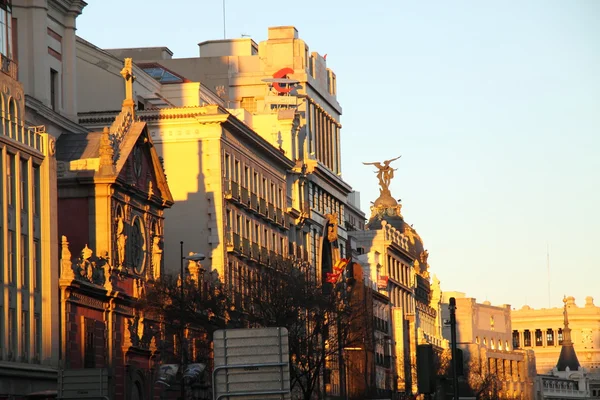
(205,307)
(317,317)
(484,384)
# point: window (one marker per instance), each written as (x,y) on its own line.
(550,337)
(227,166)
(89,357)
(6,39)
(24,250)
(527,338)
(539,341)
(36,190)
(560,336)
(236,171)
(53,89)
(12,331)
(12,261)
(246,177)
(38,337)
(10,170)
(24,185)
(516,339)
(25,335)
(37,266)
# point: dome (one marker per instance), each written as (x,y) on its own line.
(391,215)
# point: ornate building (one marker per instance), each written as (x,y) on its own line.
(29,311)
(395,258)
(541,330)
(256,170)
(491,364)
(567,380)
(112,196)
(288,96)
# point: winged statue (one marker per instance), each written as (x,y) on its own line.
(385,173)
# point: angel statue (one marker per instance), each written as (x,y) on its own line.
(385,173)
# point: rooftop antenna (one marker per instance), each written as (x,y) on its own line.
(548,267)
(224,29)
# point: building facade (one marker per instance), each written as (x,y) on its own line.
(395,258)
(112,195)
(491,364)
(256,170)
(29,312)
(44,38)
(541,330)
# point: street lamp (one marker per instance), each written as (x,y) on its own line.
(192,257)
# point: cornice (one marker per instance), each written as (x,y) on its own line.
(52,116)
(334,180)
(68,6)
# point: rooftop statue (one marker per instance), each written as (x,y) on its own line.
(385,173)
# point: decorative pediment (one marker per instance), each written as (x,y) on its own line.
(141,170)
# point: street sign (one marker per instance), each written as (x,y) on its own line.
(251,364)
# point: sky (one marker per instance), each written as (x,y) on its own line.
(493,105)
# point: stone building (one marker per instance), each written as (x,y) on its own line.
(112,195)
(278,80)
(491,364)
(568,379)
(395,258)
(261,161)
(541,330)
(29,309)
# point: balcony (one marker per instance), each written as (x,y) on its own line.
(264,255)
(245,247)
(254,202)
(232,191)
(236,243)
(245,197)
(255,252)
(9,67)
(263,207)
(280,220)
(271,213)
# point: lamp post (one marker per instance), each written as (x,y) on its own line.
(192,257)
(452,309)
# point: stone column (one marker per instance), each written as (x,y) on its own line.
(69,74)
(38,84)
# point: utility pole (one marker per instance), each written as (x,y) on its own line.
(452,309)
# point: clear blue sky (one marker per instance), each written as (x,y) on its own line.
(494,107)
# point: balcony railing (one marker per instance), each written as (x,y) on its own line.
(245,247)
(233,191)
(264,255)
(254,201)
(263,207)
(237,243)
(245,197)
(9,67)
(255,251)
(271,213)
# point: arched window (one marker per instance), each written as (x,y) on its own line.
(138,245)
